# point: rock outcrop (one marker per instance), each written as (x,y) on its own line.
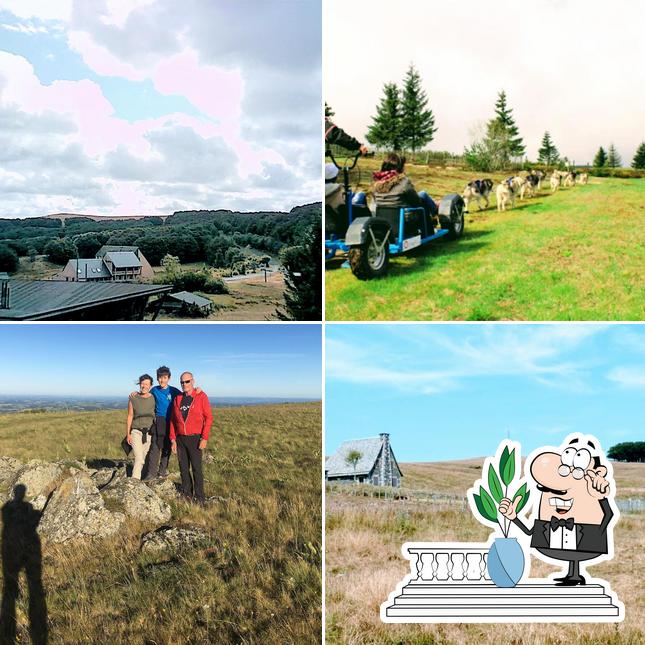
(8,469)
(173,538)
(76,509)
(136,500)
(38,477)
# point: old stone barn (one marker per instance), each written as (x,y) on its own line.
(367,461)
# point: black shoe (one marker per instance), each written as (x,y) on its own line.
(571,582)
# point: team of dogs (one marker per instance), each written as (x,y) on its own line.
(524,186)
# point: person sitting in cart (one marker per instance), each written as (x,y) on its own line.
(393,188)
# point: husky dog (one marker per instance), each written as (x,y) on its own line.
(583,178)
(505,193)
(477,190)
(540,174)
(570,178)
(530,185)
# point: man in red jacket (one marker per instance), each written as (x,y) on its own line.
(190,423)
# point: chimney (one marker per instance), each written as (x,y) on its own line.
(386,462)
(5,292)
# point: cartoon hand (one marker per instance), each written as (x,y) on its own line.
(509,509)
(597,485)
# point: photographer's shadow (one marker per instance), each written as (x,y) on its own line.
(21,550)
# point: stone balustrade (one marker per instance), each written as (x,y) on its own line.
(448,564)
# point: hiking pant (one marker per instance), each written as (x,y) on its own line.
(140,450)
(159,448)
(190,457)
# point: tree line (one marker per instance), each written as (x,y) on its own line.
(627,451)
(403,121)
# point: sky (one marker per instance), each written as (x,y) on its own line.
(259,360)
(572,67)
(144,107)
(456,391)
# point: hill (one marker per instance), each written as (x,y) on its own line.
(364,535)
(258,581)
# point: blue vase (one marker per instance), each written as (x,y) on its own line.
(505,562)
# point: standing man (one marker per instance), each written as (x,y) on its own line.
(190,422)
(159,454)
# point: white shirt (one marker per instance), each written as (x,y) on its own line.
(563,538)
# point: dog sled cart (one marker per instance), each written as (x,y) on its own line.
(369,239)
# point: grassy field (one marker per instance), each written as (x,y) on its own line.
(260,579)
(575,255)
(363,563)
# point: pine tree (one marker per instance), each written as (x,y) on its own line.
(303,278)
(600,159)
(328,111)
(613,158)
(548,153)
(417,122)
(639,157)
(385,131)
(504,116)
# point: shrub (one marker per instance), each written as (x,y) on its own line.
(8,259)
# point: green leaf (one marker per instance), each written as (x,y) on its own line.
(494,485)
(503,460)
(482,510)
(488,503)
(508,470)
(524,493)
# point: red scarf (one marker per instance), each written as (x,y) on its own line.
(384,175)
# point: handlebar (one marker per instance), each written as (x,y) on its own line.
(345,165)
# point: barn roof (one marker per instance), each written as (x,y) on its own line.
(369,449)
(123,259)
(190,298)
(91,268)
(41,299)
(107,248)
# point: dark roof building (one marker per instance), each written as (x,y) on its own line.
(54,300)
(376,463)
(118,263)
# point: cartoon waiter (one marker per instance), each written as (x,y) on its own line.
(574,511)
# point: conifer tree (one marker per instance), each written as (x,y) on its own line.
(639,157)
(417,121)
(328,111)
(385,131)
(613,158)
(504,116)
(600,159)
(548,153)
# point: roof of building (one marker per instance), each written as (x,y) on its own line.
(123,259)
(337,466)
(4,275)
(107,248)
(92,268)
(190,298)
(41,299)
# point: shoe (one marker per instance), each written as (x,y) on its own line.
(571,582)
(163,475)
(148,478)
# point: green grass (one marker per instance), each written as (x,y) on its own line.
(257,581)
(575,255)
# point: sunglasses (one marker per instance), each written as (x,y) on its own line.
(186,382)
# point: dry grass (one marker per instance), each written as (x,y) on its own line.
(259,578)
(364,563)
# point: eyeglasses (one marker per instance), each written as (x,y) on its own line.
(186,382)
(564,470)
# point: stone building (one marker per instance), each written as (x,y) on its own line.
(375,462)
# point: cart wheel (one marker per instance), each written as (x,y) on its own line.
(455,222)
(370,259)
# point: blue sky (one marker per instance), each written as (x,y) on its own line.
(130,107)
(455,391)
(260,360)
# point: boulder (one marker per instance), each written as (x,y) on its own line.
(165,488)
(76,510)
(8,468)
(136,500)
(104,476)
(38,477)
(173,538)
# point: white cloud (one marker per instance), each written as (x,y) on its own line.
(43,9)
(628,376)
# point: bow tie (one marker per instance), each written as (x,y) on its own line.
(559,523)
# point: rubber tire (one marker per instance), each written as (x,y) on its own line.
(359,262)
(449,223)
